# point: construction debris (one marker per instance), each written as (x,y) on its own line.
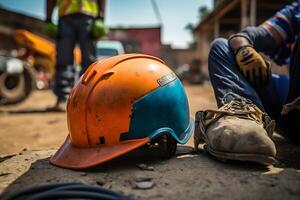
(143,166)
(143,183)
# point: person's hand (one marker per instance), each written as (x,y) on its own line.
(50,29)
(253,66)
(98,28)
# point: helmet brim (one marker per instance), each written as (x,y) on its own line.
(72,157)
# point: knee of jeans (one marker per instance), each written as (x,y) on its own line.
(219,48)
(219,45)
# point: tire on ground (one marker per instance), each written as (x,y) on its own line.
(15,88)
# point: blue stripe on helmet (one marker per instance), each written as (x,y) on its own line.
(162,111)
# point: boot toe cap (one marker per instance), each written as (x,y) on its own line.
(235,135)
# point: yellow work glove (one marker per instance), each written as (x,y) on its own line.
(253,66)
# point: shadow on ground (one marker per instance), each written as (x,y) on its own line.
(186,176)
(288,154)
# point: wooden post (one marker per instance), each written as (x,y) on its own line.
(216,28)
(244,13)
(203,39)
(203,44)
(253,12)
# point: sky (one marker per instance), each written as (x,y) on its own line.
(175,15)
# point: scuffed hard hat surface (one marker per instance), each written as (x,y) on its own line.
(100,105)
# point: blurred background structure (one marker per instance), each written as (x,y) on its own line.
(179,32)
(231,16)
(11,21)
(145,40)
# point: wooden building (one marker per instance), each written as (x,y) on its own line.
(229,17)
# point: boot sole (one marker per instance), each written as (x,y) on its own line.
(258,158)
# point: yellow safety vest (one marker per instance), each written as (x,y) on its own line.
(67,7)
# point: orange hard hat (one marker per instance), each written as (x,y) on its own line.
(122,103)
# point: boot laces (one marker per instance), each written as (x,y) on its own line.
(243,109)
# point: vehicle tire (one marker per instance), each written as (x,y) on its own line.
(15,88)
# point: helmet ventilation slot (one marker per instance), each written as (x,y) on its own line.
(101,140)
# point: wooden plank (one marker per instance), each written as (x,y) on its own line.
(235,20)
(217,14)
(244,13)
(216,28)
(227,8)
(253,4)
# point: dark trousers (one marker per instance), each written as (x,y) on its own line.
(73,29)
(229,84)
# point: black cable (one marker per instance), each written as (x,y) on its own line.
(34,189)
(71,194)
(82,187)
(63,191)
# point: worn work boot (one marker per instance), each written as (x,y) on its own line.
(238,130)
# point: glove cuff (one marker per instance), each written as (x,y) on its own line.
(240,35)
(242,47)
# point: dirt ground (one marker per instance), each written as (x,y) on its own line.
(29,136)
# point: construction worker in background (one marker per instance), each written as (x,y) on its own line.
(247,93)
(80,21)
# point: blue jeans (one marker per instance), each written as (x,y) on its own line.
(229,84)
(73,29)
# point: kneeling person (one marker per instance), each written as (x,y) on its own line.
(247,93)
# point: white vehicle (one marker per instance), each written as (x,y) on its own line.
(108,48)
